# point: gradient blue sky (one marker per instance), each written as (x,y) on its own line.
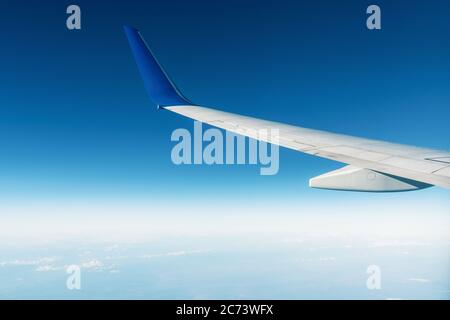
(76,121)
(85,157)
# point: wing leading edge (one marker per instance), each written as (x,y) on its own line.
(374,166)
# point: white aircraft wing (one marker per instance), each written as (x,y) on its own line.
(372,165)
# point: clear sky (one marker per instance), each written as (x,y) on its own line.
(78,132)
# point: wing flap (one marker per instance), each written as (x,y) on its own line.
(351,178)
(444,172)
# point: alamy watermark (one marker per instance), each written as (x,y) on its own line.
(73,21)
(73,281)
(373,22)
(374,280)
(211,147)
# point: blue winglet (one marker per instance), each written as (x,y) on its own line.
(158,85)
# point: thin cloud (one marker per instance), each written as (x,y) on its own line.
(397,243)
(47,268)
(420,280)
(34,262)
(92,264)
(172,254)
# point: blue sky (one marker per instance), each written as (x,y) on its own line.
(78,131)
(76,120)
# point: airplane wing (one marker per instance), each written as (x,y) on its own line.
(372,165)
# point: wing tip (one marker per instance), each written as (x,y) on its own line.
(128,28)
(161,90)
